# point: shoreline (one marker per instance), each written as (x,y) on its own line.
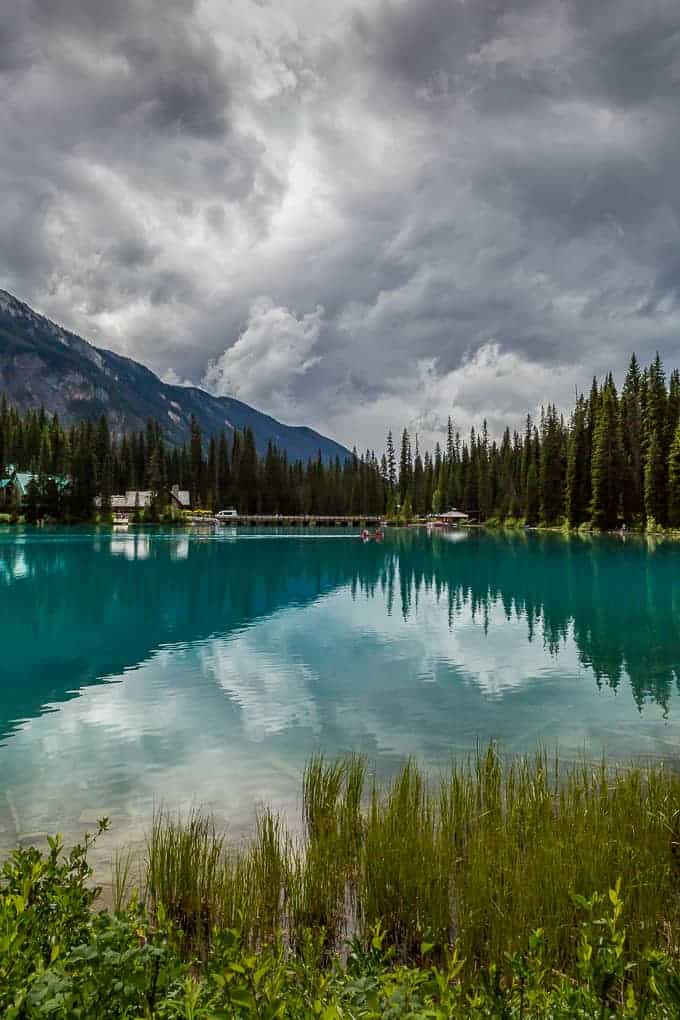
(553,873)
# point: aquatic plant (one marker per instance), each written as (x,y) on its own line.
(60,959)
(482,855)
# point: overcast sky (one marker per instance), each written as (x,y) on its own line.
(351,215)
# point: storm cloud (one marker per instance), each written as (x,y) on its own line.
(354,216)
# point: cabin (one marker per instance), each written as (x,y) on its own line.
(180,498)
(141,499)
(15,485)
(451,518)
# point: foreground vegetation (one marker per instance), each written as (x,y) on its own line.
(516,890)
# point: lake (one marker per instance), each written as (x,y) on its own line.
(155,667)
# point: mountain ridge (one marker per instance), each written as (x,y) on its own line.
(43,364)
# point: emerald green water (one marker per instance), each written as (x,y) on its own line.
(150,667)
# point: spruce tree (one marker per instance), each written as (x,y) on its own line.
(578,468)
(532,504)
(156,484)
(391,461)
(674,481)
(248,492)
(484,491)
(655,480)
(405,467)
(552,467)
(607,461)
(417,479)
(631,432)
(656,443)
(223,473)
(197,486)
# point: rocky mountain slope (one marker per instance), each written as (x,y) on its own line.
(42,364)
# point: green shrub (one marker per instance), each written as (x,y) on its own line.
(503,889)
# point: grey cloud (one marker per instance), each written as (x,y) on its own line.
(416,41)
(482,197)
(132,252)
(177,84)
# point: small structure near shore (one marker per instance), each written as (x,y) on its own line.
(15,486)
(451,519)
(141,499)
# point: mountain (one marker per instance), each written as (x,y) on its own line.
(42,364)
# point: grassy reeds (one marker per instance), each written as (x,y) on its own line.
(186,867)
(121,878)
(482,855)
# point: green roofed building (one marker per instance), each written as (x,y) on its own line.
(14,486)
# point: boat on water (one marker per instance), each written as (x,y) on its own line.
(120,521)
(371,536)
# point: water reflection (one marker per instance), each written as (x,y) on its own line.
(142,666)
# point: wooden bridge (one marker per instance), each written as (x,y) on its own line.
(290,520)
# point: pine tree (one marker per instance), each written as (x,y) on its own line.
(405,467)
(484,492)
(532,503)
(578,468)
(631,432)
(674,481)
(673,406)
(552,467)
(223,473)
(248,494)
(391,462)
(33,500)
(417,482)
(211,475)
(156,483)
(197,487)
(655,481)
(106,485)
(656,443)
(607,461)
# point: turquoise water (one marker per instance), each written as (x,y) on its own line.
(149,667)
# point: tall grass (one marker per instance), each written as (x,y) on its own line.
(121,878)
(186,866)
(482,855)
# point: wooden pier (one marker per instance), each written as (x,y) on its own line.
(289,520)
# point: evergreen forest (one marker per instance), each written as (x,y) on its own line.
(614,460)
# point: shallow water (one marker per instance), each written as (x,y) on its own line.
(149,667)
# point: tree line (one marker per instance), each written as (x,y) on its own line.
(218,472)
(614,459)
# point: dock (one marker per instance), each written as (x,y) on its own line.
(290,520)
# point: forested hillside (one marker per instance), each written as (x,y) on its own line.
(45,366)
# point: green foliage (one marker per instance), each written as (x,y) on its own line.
(578,478)
(60,959)
(655,479)
(487,854)
(532,501)
(674,481)
(611,463)
(552,472)
(97,463)
(607,461)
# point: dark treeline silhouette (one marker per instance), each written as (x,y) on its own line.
(616,459)
(218,472)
